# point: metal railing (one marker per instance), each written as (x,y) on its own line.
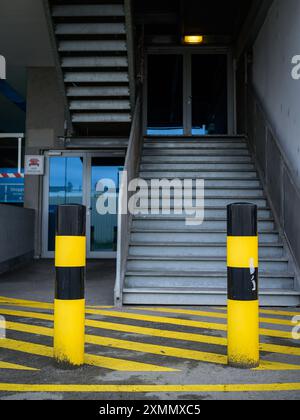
(131,170)
(276,173)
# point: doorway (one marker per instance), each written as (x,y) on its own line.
(189,92)
(73,178)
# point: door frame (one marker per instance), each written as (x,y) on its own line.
(86,197)
(186,52)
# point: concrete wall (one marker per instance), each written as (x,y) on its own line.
(17,236)
(276,45)
(44,123)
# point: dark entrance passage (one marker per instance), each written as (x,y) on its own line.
(188,94)
(165,94)
(209,94)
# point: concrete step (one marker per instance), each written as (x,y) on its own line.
(87,10)
(165,223)
(103,105)
(164,160)
(197,167)
(198,264)
(94,61)
(204,297)
(209,280)
(88,117)
(219,213)
(96,77)
(218,138)
(223,184)
(92,46)
(203,174)
(236,192)
(97,91)
(89,28)
(209,202)
(202,152)
(179,250)
(192,236)
(188,145)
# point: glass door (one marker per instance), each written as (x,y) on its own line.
(209,99)
(65,185)
(103,174)
(165,95)
(190,92)
(74,178)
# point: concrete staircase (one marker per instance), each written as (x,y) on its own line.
(92,46)
(170,263)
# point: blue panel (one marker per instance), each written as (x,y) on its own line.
(11,189)
(12,95)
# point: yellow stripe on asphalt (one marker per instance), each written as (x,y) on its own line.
(150,348)
(185,323)
(13,366)
(93,360)
(26,303)
(178,389)
(39,305)
(172,321)
(43,305)
(91,309)
(208,314)
(172,335)
(265,311)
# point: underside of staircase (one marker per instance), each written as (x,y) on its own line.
(91,39)
(170,263)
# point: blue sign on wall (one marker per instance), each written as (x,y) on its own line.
(12,188)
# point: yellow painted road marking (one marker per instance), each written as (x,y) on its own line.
(130,345)
(172,335)
(44,305)
(178,389)
(185,323)
(91,310)
(93,360)
(207,314)
(265,311)
(13,366)
(39,305)
(172,321)
(151,348)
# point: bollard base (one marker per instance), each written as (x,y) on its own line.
(69,317)
(243,364)
(243,334)
(65,365)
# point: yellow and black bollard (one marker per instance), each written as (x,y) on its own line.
(69,304)
(243,303)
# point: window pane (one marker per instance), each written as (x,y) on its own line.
(103,228)
(209,94)
(65,187)
(165,95)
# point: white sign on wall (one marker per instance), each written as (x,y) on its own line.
(34,165)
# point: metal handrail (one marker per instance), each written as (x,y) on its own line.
(284,168)
(130,172)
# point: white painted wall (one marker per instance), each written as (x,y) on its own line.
(276,45)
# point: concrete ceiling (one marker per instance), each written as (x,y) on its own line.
(24,42)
